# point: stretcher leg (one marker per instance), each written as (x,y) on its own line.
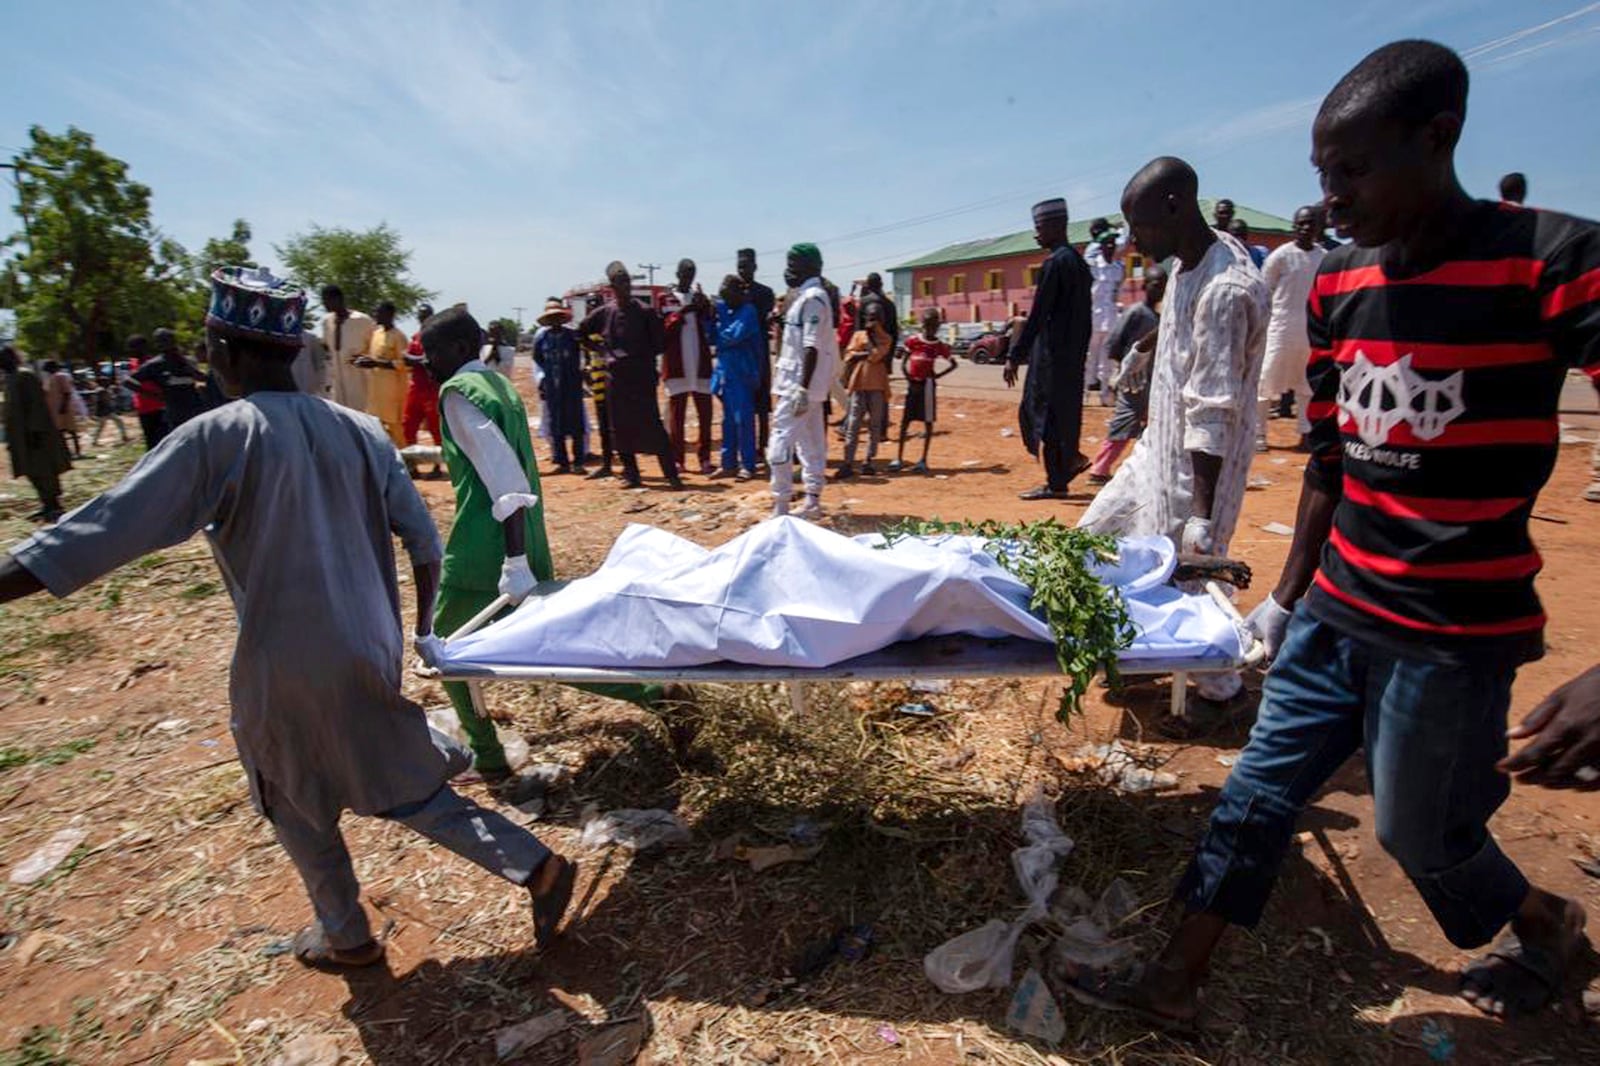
(1180,695)
(797,698)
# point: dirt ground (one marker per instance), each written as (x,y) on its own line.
(162,936)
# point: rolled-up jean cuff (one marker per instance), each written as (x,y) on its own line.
(1476,899)
(1236,865)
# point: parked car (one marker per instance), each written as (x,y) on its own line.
(989,347)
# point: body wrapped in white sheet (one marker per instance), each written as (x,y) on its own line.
(788,593)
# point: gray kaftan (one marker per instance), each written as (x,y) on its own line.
(298,497)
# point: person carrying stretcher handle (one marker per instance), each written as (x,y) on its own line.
(497,544)
(1408,602)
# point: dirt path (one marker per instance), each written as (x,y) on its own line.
(160,938)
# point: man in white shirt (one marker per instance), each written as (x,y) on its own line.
(1187,474)
(1107,271)
(1289,273)
(345,335)
(808,358)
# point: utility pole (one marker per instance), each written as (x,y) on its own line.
(519,311)
(650,269)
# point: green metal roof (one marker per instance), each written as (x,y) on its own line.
(1077,233)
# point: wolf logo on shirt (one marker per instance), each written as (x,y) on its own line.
(1375,399)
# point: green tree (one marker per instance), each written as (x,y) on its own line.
(233,250)
(508,330)
(370,266)
(88,265)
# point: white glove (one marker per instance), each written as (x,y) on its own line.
(802,404)
(1196,536)
(430,649)
(1268,622)
(516,579)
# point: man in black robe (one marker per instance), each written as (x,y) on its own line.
(37,451)
(764,300)
(1054,342)
(630,340)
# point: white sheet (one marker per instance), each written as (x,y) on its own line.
(789,593)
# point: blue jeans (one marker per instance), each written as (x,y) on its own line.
(1432,734)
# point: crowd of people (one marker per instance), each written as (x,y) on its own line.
(1424,359)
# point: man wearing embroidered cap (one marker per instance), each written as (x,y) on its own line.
(299,498)
(1054,342)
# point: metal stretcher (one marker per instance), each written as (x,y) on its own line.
(956,656)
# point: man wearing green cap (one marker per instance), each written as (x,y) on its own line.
(808,357)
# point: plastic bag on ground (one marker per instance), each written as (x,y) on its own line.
(52,854)
(978,958)
(981,957)
(638,829)
(444,720)
(1033,1010)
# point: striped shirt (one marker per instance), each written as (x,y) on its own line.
(1433,416)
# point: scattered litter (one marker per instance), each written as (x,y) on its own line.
(855,943)
(638,829)
(1116,904)
(916,710)
(934,685)
(525,1034)
(1279,528)
(1261,483)
(171,725)
(276,948)
(957,760)
(1437,1040)
(1034,1012)
(1279,461)
(1118,766)
(53,852)
(1227,760)
(941,477)
(972,462)
(981,957)
(444,720)
(961,414)
(887,1034)
(209,742)
(312,1049)
(766,858)
(34,942)
(1008,432)
(615,1045)
(694,516)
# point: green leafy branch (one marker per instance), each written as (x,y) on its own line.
(1086,616)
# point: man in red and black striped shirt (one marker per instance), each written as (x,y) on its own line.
(1440,340)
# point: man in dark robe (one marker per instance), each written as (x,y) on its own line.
(37,451)
(631,339)
(764,300)
(1054,342)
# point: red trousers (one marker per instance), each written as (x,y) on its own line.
(422,405)
(679,405)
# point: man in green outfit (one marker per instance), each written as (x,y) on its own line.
(497,544)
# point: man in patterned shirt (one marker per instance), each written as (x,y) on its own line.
(1440,339)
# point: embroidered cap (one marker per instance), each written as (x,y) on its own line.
(1049,209)
(249,302)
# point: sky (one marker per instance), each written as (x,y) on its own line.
(519,147)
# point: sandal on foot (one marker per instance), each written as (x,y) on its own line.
(311,948)
(551,905)
(1523,977)
(1118,988)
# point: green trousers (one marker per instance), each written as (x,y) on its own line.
(454,608)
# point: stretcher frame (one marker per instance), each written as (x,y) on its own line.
(946,657)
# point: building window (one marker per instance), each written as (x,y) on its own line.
(994,280)
(1033,276)
(925,288)
(958,284)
